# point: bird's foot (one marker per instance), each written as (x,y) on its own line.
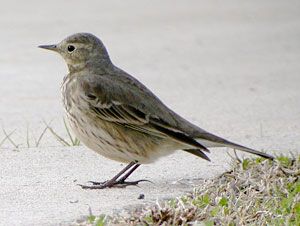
(111,184)
(97,183)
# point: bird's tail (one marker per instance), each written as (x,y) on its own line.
(220,142)
(249,150)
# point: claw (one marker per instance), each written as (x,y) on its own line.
(134,182)
(97,183)
(111,184)
(91,187)
(114,182)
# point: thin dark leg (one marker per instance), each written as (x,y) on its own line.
(124,183)
(115,177)
(122,172)
(114,182)
(123,178)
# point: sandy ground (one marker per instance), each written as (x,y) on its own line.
(232,68)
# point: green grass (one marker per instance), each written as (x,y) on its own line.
(36,141)
(8,137)
(255,192)
(73,141)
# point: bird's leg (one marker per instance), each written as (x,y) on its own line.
(114,182)
(121,182)
(124,177)
(115,177)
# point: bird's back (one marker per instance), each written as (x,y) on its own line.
(120,86)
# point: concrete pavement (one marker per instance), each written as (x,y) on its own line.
(232,68)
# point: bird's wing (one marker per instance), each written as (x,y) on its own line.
(124,100)
(129,109)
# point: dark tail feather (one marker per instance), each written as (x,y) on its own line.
(249,150)
(216,141)
(198,153)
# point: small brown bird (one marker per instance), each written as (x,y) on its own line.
(115,115)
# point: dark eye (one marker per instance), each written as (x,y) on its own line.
(71,48)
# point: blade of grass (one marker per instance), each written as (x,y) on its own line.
(27,135)
(75,141)
(68,131)
(37,143)
(8,137)
(59,138)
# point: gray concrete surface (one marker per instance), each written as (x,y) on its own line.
(231,67)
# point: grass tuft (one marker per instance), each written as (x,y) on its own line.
(254,192)
(73,140)
(36,141)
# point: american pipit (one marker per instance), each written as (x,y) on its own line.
(115,115)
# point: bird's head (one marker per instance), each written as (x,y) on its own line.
(81,50)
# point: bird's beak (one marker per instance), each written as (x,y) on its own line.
(49,47)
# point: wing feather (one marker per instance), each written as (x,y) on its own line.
(135,119)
